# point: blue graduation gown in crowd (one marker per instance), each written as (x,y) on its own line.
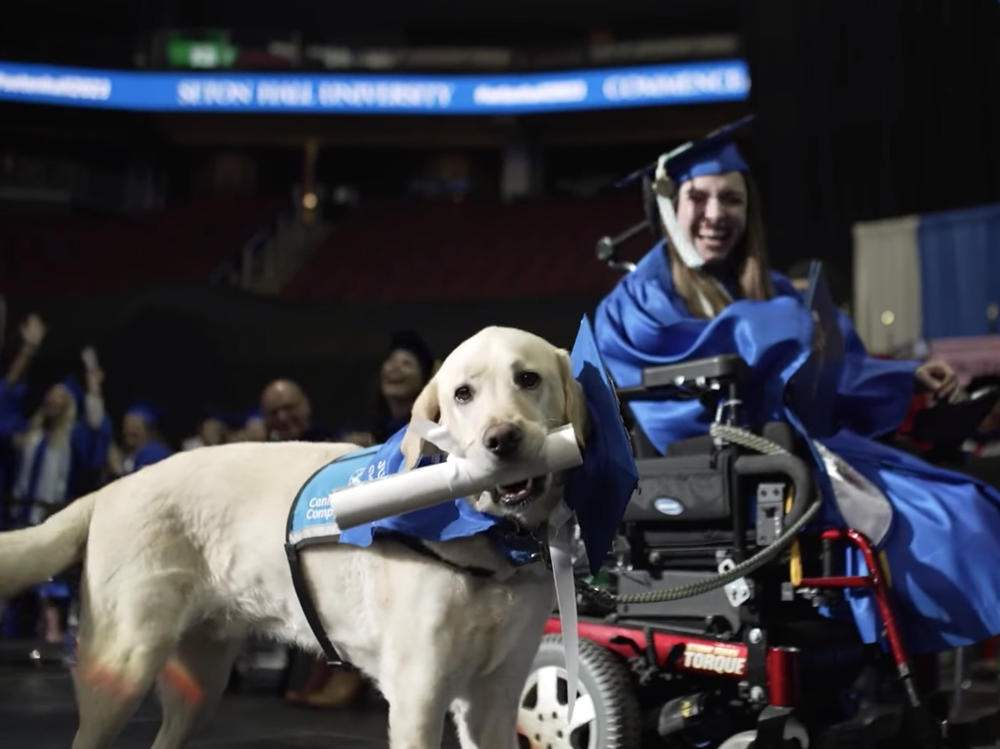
(88,445)
(88,450)
(943,543)
(151,452)
(11,422)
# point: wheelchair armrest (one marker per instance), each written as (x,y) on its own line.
(722,367)
(682,378)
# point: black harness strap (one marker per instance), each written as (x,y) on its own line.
(305,600)
(421,548)
(302,588)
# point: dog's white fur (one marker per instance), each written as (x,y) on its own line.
(185,558)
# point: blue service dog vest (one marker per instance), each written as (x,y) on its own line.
(311,521)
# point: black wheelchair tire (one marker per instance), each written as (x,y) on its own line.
(605,679)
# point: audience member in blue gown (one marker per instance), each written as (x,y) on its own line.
(142,443)
(59,452)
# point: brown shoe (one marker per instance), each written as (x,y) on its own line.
(341,689)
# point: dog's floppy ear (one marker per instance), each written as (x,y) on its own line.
(425,406)
(576,403)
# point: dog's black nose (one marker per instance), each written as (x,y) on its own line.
(503,439)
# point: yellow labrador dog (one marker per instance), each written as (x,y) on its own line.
(185,558)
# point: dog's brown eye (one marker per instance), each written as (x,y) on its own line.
(527,380)
(463,394)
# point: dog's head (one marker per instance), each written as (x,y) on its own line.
(499,394)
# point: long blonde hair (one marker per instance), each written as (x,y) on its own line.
(58,433)
(695,285)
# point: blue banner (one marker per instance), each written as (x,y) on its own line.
(563,91)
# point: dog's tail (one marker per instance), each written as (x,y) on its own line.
(33,555)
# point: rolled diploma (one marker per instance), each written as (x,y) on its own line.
(457,477)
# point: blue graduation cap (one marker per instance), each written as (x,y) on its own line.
(145,411)
(716,153)
(600,489)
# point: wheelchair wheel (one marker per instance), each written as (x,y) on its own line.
(606,715)
(795,735)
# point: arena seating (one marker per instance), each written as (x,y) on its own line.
(441,250)
(64,256)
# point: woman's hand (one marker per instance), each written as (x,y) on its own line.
(95,380)
(33,331)
(937,376)
(116,460)
(32,335)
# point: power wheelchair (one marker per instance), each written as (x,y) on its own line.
(753,659)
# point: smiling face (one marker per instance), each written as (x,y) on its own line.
(499,394)
(712,209)
(400,375)
(286,410)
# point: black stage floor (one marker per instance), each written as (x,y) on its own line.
(37,711)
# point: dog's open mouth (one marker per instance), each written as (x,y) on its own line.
(519,492)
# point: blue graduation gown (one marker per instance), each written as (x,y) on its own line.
(151,452)
(89,445)
(90,451)
(11,422)
(944,540)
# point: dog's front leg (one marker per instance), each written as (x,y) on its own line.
(486,712)
(416,714)
(487,718)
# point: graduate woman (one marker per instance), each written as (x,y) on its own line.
(706,289)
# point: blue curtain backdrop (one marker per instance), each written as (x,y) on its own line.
(960,270)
